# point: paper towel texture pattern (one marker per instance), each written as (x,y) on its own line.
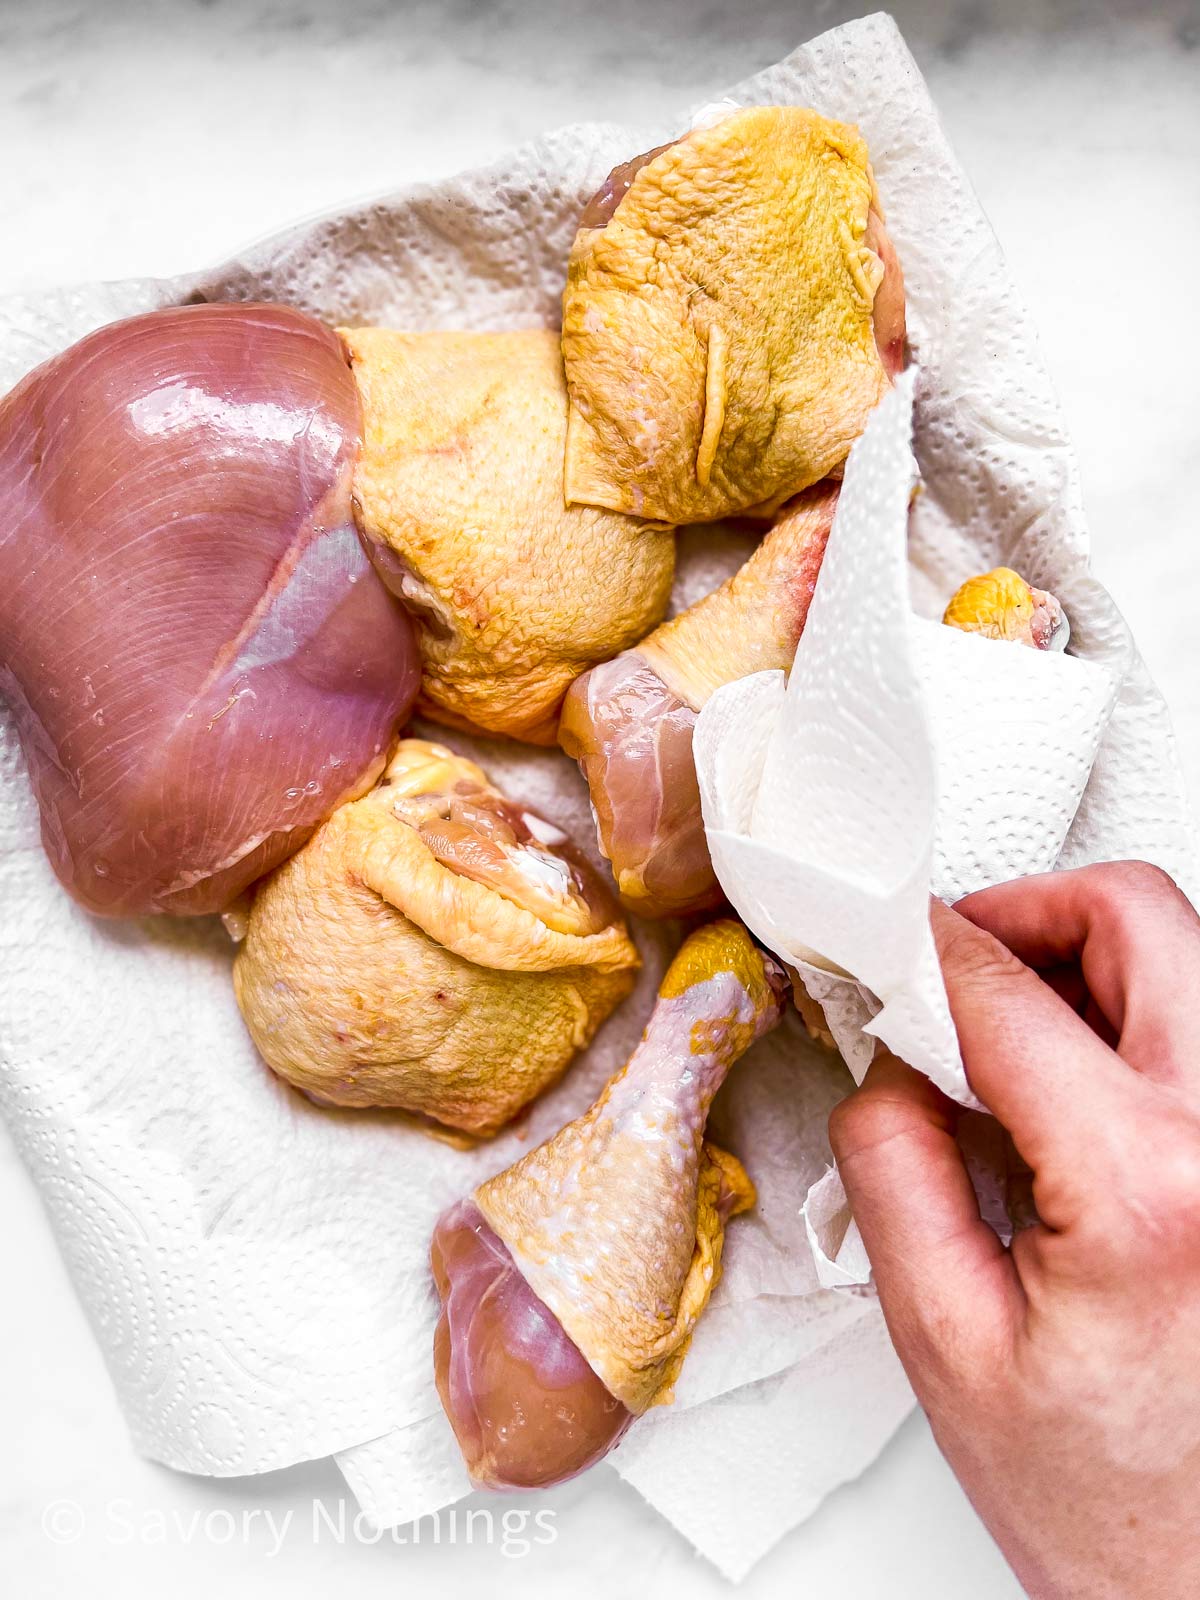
(255,1268)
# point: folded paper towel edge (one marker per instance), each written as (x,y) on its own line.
(833,1237)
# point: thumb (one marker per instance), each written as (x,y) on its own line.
(945,1281)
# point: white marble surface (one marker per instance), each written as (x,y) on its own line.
(154,138)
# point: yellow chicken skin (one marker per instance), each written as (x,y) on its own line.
(459,492)
(1001,605)
(617,1223)
(720,334)
(433,948)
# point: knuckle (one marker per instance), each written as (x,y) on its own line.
(870,1118)
(1119,882)
(1156,1043)
(841,1122)
(1174,1186)
(862,1120)
(846,1120)
(1164,1198)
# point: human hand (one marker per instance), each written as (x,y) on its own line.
(1061,1377)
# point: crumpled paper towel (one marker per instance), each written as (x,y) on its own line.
(838,1252)
(837,1248)
(901,756)
(254,1267)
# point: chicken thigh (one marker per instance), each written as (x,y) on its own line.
(734,310)
(459,490)
(434,947)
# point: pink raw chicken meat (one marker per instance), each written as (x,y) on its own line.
(201,660)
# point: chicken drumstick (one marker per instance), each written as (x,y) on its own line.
(572,1281)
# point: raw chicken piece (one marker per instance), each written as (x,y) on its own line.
(632,737)
(629,722)
(460,490)
(1001,605)
(433,947)
(527,1409)
(201,661)
(734,310)
(571,1285)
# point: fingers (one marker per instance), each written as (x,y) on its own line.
(1136,940)
(1067,982)
(944,1279)
(1029,1057)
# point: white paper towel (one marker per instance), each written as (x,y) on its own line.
(806,1431)
(902,756)
(833,1237)
(254,1267)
